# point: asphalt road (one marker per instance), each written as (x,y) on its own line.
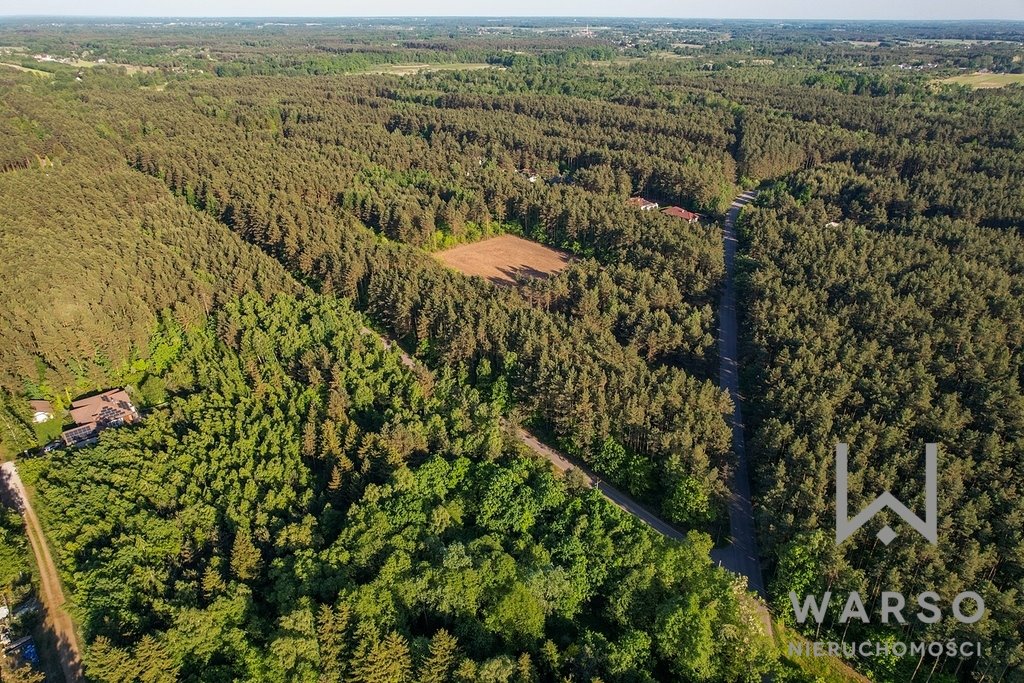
(742,555)
(58,620)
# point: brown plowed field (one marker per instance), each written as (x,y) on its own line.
(504,259)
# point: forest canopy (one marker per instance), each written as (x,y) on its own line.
(307,506)
(227,226)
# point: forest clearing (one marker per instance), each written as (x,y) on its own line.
(978,81)
(505,259)
(412,69)
(19,67)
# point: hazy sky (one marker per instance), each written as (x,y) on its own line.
(771,9)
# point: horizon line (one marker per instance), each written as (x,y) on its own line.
(514,16)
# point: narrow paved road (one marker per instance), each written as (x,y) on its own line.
(742,555)
(13,492)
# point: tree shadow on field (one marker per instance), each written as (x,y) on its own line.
(512,276)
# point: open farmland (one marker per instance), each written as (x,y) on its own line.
(26,69)
(411,69)
(504,259)
(986,80)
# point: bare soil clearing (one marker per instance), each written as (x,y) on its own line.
(505,259)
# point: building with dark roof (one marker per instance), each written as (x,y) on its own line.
(93,414)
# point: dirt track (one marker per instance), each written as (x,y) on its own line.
(51,593)
(563,464)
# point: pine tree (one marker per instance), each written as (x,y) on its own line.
(335,483)
(154,661)
(525,671)
(329,444)
(213,582)
(246,559)
(550,657)
(387,661)
(337,403)
(106,663)
(332,638)
(309,436)
(19,674)
(444,654)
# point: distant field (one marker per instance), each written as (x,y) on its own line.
(409,69)
(964,41)
(19,67)
(503,259)
(978,81)
(82,64)
(618,61)
(665,54)
(130,68)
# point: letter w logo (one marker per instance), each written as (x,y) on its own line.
(846,526)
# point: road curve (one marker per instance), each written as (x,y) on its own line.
(51,592)
(742,555)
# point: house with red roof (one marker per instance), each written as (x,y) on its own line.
(678,212)
(93,414)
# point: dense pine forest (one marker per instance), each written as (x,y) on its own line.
(308,508)
(229,227)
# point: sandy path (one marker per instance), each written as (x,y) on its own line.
(52,594)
